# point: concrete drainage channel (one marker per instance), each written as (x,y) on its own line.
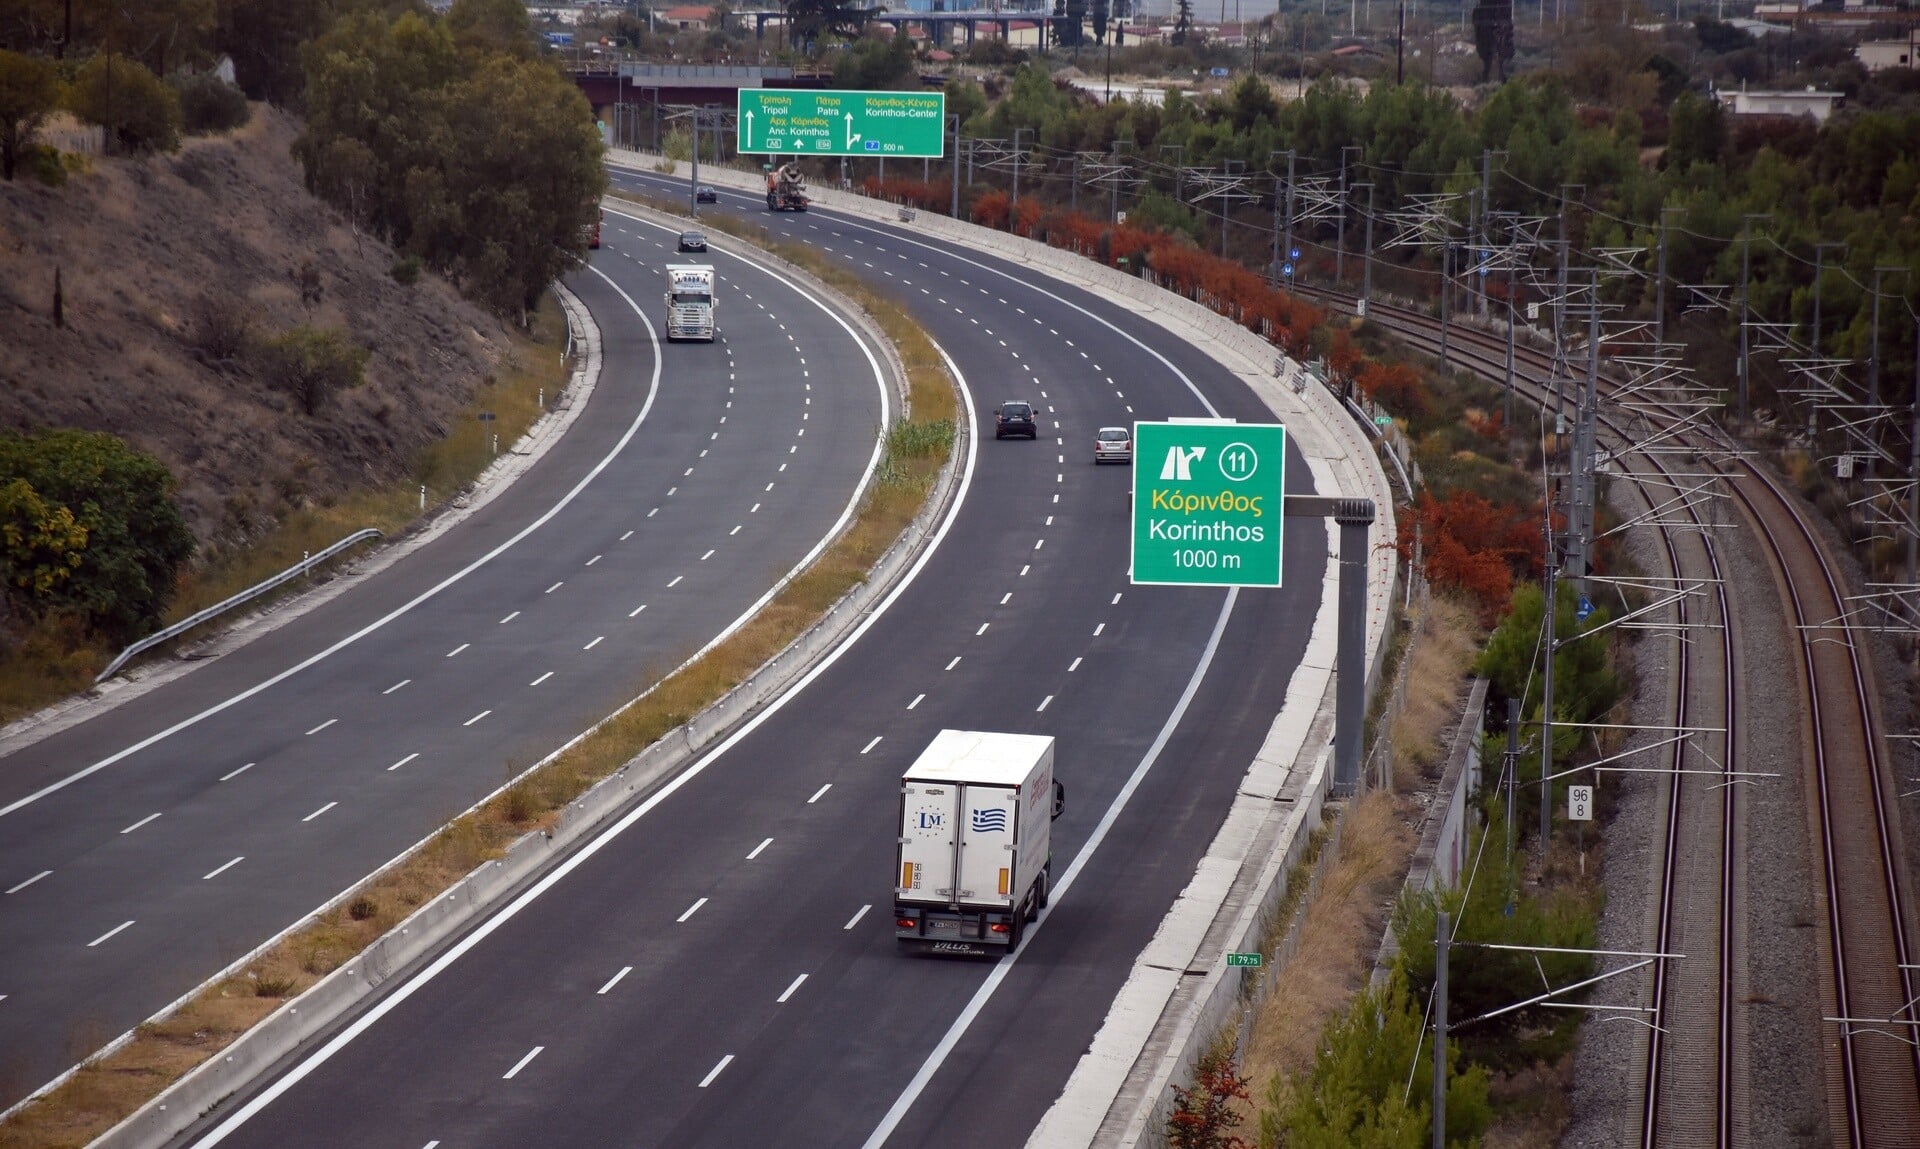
(1180,992)
(334,997)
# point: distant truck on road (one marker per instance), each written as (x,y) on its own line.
(976,849)
(690,301)
(786,190)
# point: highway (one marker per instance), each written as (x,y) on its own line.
(145,849)
(718,968)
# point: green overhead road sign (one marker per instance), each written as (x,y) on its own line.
(778,121)
(1207,503)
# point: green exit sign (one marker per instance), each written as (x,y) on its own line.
(796,122)
(1243,959)
(1208,503)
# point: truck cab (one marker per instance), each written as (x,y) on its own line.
(690,302)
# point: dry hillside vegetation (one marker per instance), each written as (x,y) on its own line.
(173,269)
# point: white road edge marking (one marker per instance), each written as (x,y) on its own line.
(691,910)
(981,996)
(522,1063)
(485,929)
(715,1071)
(615,979)
(782,999)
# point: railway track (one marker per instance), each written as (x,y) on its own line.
(1696,1058)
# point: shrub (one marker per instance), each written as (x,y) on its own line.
(134,539)
(311,364)
(209,104)
(222,326)
(406,270)
(29,91)
(128,101)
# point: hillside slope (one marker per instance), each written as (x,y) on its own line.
(148,250)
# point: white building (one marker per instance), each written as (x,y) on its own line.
(1819,105)
(1879,55)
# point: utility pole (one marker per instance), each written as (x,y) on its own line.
(1288,252)
(1913,462)
(1581,521)
(1366,273)
(1513,319)
(1486,232)
(1546,704)
(1660,282)
(1873,354)
(1073,196)
(954,210)
(1746,266)
(1440,944)
(1273,263)
(1446,295)
(1179,169)
(1340,232)
(693,182)
(1012,223)
(1819,277)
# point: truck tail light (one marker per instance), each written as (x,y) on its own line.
(998,927)
(905,923)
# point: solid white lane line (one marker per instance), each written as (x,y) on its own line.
(232,774)
(675,582)
(541,679)
(982,630)
(556,586)
(1044,703)
(509,618)
(817,794)
(634,613)
(755,852)
(728,1059)
(872,744)
(110,933)
(320,811)
(593,560)
(1005,598)
(218,870)
(522,1063)
(29,881)
(1098,629)
(782,999)
(1073,666)
(402,762)
(954,663)
(615,979)
(855,919)
(140,823)
(917,699)
(396,686)
(691,910)
(476,718)
(323,726)
(594,643)
(458,649)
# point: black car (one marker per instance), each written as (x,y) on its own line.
(1015,418)
(705,194)
(693,241)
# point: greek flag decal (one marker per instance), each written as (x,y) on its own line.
(989,821)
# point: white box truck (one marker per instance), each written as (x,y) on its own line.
(976,846)
(690,302)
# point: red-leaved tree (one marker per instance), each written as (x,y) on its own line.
(1203,1115)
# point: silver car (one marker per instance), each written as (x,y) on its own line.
(1113,445)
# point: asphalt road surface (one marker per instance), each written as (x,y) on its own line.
(144,850)
(719,968)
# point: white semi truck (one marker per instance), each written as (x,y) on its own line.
(976,847)
(690,301)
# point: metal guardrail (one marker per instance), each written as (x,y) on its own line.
(304,566)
